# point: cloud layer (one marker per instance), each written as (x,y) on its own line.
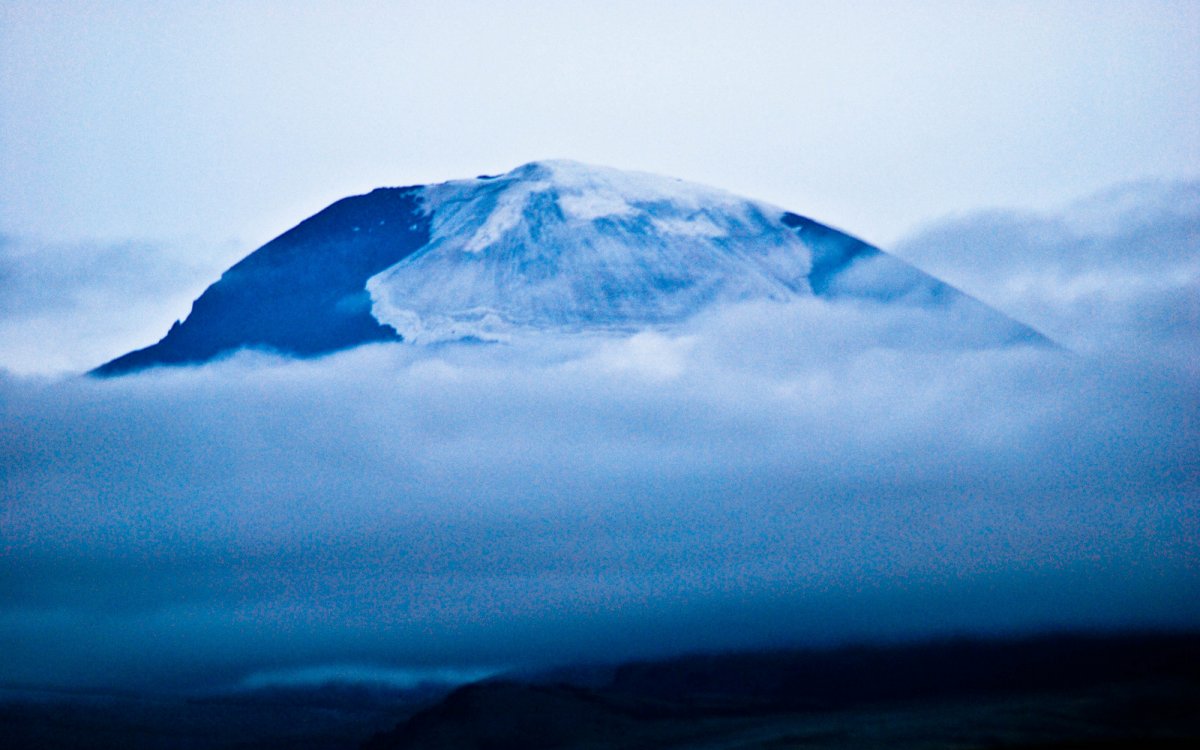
(769,475)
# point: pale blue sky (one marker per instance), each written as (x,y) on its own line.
(222,124)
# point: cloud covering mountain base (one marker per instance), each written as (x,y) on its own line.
(550,501)
(768,474)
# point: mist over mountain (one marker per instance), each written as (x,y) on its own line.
(552,246)
(769,471)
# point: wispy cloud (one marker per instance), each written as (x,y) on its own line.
(1119,270)
(69,307)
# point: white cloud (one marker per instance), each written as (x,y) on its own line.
(1116,272)
(498,505)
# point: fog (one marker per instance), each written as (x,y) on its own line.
(767,475)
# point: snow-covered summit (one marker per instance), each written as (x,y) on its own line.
(550,246)
(564,245)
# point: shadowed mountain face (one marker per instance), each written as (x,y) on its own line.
(550,246)
(302,293)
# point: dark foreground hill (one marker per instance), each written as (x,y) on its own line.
(1060,692)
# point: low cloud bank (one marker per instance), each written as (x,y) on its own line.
(770,475)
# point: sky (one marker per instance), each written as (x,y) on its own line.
(763,476)
(228,122)
(155,143)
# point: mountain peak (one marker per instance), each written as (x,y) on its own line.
(585,192)
(552,245)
